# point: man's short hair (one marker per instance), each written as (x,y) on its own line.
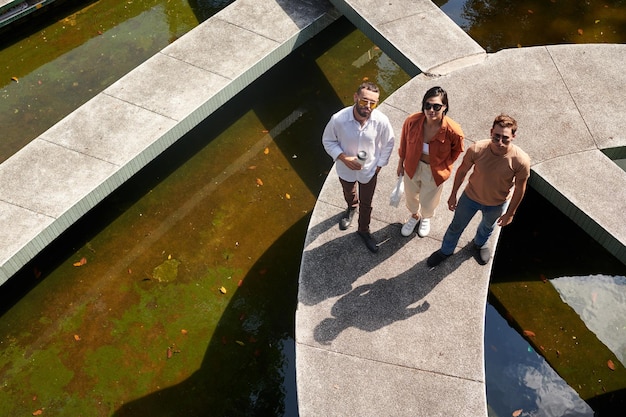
(504,120)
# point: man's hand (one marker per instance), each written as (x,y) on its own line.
(351,162)
(505,219)
(452,202)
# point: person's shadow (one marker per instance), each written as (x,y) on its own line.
(372,306)
(330,269)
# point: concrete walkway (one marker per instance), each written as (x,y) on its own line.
(382,334)
(376,334)
(91,152)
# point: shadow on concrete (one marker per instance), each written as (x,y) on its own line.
(370,307)
(348,256)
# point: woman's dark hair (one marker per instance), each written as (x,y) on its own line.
(437,92)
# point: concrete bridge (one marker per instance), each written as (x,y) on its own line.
(383,334)
(376,335)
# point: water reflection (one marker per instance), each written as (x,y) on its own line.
(519,379)
(600,301)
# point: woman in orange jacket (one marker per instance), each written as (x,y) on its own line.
(429,144)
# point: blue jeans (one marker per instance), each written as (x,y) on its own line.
(465,210)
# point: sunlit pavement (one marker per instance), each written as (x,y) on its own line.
(376,334)
(383,334)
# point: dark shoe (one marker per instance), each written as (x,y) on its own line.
(436,258)
(482,254)
(346,220)
(369,241)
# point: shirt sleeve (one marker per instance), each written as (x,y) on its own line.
(386,139)
(330,139)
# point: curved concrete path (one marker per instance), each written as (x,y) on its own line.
(382,334)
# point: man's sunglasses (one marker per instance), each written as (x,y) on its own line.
(363,102)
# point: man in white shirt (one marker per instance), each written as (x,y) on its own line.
(362,131)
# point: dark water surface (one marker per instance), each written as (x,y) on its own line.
(185,305)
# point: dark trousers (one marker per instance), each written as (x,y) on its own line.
(361,196)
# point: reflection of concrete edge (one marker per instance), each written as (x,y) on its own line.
(580,293)
(16,10)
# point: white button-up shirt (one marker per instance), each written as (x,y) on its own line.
(344,133)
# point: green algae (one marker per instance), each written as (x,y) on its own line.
(167,271)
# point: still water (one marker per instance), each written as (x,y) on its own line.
(186,300)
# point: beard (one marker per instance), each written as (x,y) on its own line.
(363,111)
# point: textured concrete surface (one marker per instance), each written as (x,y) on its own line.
(376,334)
(382,334)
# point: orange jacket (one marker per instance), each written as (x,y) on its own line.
(445,147)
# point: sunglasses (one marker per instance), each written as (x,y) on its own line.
(363,102)
(434,106)
(497,138)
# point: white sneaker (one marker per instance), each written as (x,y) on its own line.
(424,228)
(409,226)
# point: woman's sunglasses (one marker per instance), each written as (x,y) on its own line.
(434,106)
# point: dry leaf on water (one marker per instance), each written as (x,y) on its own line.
(266,151)
(76,337)
(82,262)
(38,412)
(259,182)
(611,365)
(529,333)
(580,32)
(223,290)
(287,196)
(517,413)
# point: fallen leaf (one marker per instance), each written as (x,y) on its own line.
(223,290)
(265,131)
(169,353)
(239,283)
(169,257)
(287,196)
(252,167)
(266,151)
(38,412)
(530,11)
(597,21)
(259,182)
(76,337)
(15,79)
(558,353)
(611,365)
(516,413)
(365,78)
(580,32)
(529,333)
(82,262)
(239,342)
(183,331)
